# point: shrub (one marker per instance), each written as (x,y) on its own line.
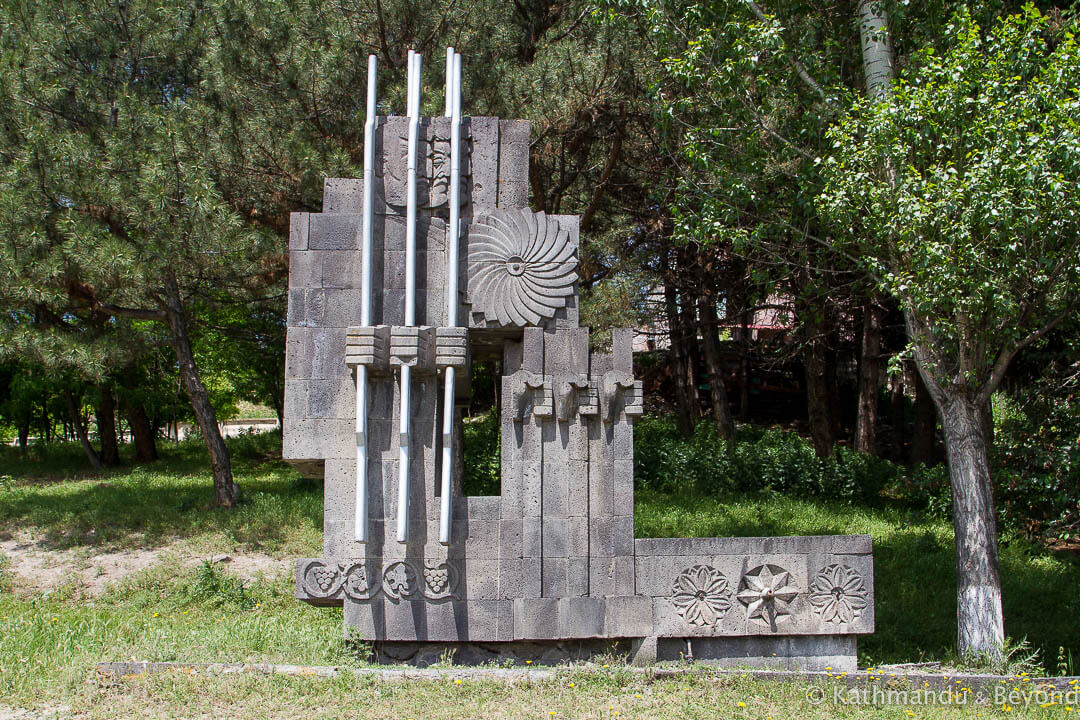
(482,450)
(763,459)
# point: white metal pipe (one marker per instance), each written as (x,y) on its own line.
(410,299)
(449,81)
(445,506)
(360,521)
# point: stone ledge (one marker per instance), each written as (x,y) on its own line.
(838,544)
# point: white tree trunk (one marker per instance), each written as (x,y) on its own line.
(877,50)
(979,621)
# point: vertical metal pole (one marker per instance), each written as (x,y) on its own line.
(445,507)
(449,81)
(360,525)
(410,299)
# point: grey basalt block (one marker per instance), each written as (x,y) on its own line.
(343,195)
(298,231)
(806,653)
(334,231)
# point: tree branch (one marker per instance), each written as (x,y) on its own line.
(800,69)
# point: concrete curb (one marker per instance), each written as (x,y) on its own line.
(936,681)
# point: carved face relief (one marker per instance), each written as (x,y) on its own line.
(522,267)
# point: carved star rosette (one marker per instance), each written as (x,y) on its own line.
(701,595)
(838,594)
(767,592)
(522,267)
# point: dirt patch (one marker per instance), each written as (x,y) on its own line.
(34,568)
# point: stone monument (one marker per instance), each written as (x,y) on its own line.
(430,262)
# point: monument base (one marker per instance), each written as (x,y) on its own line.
(822,653)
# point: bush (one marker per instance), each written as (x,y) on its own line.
(482,450)
(1036,459)
(763,459)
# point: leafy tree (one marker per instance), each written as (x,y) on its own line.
(960,192)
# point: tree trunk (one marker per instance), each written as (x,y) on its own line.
(685,391)
(869,380)
(744,368)
(24,434)
(818,408)
(226,492)
(980,627)
(896,418)
(725,426)
(924,434)
(279,410)
(80,430)
(877,50)
(142,433)
(105,415)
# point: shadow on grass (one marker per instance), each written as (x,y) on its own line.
(914,573)
(156,503)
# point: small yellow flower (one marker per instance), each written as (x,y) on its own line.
(528,662)
(156,615)
(551,713)
(571,684)
(607,666)
(742,704)
(457,681)
(638,696)
(910,714)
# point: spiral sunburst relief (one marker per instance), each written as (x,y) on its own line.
(522,266)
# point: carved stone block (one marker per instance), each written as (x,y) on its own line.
(413,346)
(368,346)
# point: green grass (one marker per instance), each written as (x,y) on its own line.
(50,643)
(65,503)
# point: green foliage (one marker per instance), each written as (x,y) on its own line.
(214,586)
(483,469)
(1037,445)
(766,460)
(960,192)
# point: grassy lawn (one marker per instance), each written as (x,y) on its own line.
(200,612)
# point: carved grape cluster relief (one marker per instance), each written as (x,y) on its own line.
(400,580)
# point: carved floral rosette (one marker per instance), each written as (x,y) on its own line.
(522,267)
(838,594)
(701,595)
(400,580)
